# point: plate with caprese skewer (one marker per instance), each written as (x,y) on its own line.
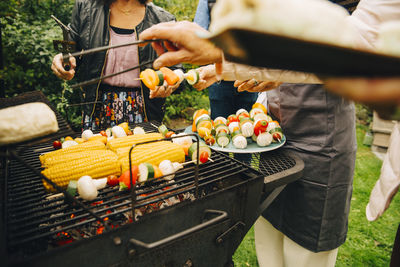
(242,132)
(251,147)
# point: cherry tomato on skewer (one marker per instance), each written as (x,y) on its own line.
(203,157)
(57,144)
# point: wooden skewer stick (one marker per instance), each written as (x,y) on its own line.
(155,126)
(188,162)
(194,161)
(54,196)
(42,149)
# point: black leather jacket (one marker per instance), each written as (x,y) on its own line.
(90,19)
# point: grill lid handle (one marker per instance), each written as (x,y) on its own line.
(221,216)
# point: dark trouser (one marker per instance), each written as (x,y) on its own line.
(226,100)
(395,259)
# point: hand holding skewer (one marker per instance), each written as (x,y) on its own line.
(65,46)
(60,71)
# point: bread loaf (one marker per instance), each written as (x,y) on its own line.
(310,20)
(25,122)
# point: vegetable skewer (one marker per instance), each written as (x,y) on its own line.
(152,78)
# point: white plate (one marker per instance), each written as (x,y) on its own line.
(251,148)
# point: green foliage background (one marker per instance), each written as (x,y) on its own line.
(27,36)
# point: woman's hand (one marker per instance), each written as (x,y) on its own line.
(164,90)
(207,77)
(182,44)
(253,85)
(58,68)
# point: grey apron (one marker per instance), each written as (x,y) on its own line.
(320,129)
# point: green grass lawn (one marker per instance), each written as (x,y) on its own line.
(368,243)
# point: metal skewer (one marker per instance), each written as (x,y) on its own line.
(67,45)
(95,80)
(102,48)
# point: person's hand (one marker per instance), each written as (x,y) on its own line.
(58,68)
(253,85)
(207,77)
(182,43)
(380,94)
(368,91)
(164,90)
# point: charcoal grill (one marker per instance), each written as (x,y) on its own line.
(42,229)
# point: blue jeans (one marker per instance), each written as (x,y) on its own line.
(226,100)
(202,16)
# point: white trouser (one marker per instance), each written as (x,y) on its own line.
(274,249)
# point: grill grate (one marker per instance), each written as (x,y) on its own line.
(272,162)
(32,215)
(269,163)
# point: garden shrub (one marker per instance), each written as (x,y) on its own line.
(28,33)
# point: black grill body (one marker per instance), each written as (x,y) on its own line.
(199,231)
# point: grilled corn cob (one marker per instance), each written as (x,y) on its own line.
(100,163)
(128,141)
(58,159)
(152,153)
(92,145)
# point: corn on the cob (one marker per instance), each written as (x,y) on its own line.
(128,141)
(152,153)
(63,158)
(100,138)
(92,145)
(123,151)
(100,163)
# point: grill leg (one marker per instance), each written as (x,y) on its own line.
(230,263)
